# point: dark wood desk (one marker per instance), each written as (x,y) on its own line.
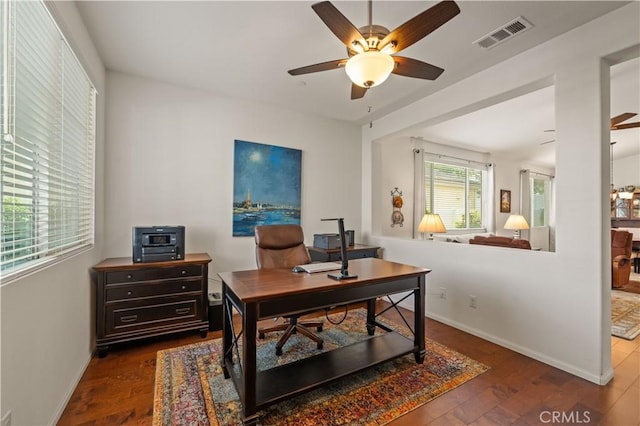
(357,251)
(262,294)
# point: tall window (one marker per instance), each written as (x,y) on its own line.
(456,192)
(540,200)
(48,137)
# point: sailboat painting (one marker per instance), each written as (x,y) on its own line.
(266,186)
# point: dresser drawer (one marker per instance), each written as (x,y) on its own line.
(153,274)
(117,292)
(127,316)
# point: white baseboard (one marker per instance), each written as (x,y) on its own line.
(603,379)
(599,380)
(69,393)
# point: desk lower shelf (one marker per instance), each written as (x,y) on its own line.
(283,382)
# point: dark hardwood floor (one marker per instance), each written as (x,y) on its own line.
(119,389)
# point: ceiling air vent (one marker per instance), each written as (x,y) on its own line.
(505,32)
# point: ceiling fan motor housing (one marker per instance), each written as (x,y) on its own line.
(373,34)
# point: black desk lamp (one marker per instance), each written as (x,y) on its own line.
(344,271)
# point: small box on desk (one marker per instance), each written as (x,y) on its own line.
(326,241)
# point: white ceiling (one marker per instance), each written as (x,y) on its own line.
(243,49)
(522,128)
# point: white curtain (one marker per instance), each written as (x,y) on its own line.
(490,207)
(552,215)
(525,201)
(418,187)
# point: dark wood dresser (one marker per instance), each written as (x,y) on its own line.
(138,300)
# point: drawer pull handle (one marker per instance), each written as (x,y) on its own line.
(182,311)
(184,287)
(184,272)
(129,276)
(129,293)
(130,318)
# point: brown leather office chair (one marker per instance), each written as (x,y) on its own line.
(282,246)
(621,244)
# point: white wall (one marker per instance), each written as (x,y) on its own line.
(169,160)
(554,307)
(626,171)
(47,317)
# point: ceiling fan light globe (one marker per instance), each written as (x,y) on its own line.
(369,69)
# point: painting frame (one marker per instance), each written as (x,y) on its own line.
(505,201)
(267,182)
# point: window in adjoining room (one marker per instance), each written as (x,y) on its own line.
(456,189)
(540,200)
(47,131)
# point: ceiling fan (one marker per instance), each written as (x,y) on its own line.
(615,121)
(549,141)
(370,48)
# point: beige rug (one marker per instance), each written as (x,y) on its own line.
(625,314)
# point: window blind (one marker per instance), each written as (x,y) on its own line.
(48,142)
(455,190)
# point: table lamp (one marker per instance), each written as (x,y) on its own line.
(431,223)
(516,222)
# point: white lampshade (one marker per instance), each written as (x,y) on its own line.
(370,68)
(516,222)
(431,223)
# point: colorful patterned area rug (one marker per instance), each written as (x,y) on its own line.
(625,314)
(191,389)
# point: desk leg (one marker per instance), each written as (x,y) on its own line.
(419,302)
(371,316)
(227,337)
(249,326)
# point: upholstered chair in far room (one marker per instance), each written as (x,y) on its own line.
(621,244)
(282,246)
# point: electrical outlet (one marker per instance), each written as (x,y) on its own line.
(6,419)
(443,293)
(473,302)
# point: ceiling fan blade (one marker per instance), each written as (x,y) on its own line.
(419,26)
(414,68)
(338,24)
(622,117)
(357,92)
(625,126)
(323,66)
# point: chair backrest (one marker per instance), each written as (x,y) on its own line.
(621,243)
(280,246)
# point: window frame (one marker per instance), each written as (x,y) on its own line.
(422,157)
(52,175)
(547,199)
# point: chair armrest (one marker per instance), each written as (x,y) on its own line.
(621,261)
